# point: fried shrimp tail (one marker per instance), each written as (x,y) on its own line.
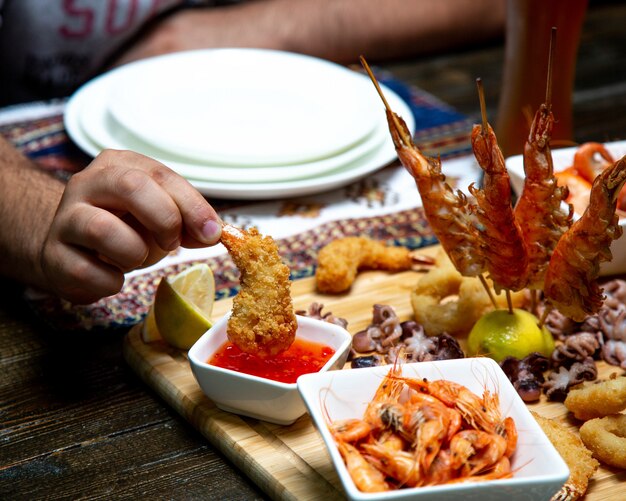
(539,210)
(448,212)
(339,262)
(501,237)
(570,282)
(263,321)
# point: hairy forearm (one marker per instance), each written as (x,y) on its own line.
(28,200)
(339,30)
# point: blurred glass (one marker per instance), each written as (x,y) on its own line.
(528,27)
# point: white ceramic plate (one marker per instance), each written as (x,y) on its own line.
(539,469)
(89,106)
(562,159)
(243,106)
(201,176)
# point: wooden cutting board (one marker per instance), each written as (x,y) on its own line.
(291,462)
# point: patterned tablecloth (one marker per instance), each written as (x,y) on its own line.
(385,205)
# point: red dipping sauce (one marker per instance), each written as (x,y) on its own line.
(302,357)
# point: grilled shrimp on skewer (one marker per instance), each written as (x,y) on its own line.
(263,320)
(500,235)
(538,210)
(448,212)
(570,281)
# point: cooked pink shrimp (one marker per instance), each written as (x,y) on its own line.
(538,211)
(570,282)
(448,212)
(587,163)
(505,251)
(474,451)
(365,476)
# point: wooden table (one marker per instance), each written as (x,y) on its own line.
(77,422)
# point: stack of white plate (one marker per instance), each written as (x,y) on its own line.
(241,123)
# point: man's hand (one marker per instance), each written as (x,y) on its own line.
(124,211)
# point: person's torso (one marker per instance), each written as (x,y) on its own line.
(49,47)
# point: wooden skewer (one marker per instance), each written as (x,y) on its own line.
(544,315)
(488,290)
(550,63)
(483,106)
(509,302)
(405,138)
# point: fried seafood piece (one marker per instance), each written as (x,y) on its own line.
(578,458)
(262,320)
(538,211)
(506,257)
(571,278)
(444,301)
(596,399)
(339,262)
(606,438)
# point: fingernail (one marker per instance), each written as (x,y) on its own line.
(211,231)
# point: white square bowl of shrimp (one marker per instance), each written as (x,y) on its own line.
(520,463)
(576,167)
(260,397)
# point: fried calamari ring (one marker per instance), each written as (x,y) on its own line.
(597,399)
(339,262)
(578,458)
(445,301)
(606,438)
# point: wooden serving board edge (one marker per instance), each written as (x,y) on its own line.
(260,450)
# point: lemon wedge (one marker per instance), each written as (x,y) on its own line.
(498,334)
(150,331)
(182,306)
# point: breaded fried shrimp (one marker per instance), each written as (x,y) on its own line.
(263,321)
(339,262)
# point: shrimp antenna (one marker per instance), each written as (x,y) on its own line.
(405,138)
(550,63)
(483,106)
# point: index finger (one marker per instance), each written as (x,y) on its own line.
(154,199)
